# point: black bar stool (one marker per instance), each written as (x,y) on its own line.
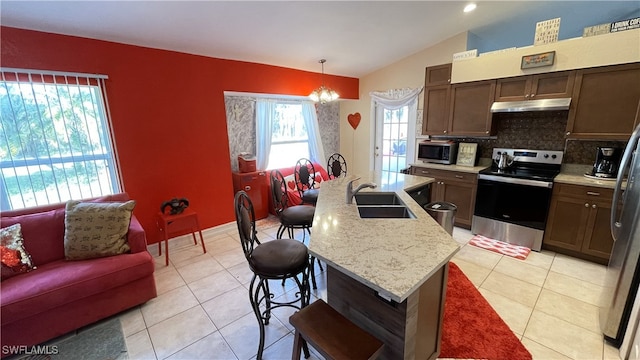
(273,260)
(336,166)
(291,217)
(305,179)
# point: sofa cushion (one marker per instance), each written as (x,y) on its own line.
(94,229)
(42,233)
(15,258)
(60,282)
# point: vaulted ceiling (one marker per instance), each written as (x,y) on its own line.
(356,37)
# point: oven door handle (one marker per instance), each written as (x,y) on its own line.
(516,181)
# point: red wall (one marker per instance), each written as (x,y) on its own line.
(168,113)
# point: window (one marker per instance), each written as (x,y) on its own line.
(289,139)
(286,130)
(55,140)
(394,139)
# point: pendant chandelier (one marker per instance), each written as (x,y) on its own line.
(323,94)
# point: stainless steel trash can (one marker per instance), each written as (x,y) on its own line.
(444,213)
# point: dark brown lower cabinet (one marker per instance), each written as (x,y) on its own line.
(458,188)
(578,222)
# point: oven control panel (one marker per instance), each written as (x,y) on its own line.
(531,156)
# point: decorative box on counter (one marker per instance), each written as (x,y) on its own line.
(246,163)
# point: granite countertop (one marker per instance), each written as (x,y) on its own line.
(392,256)
(482,164)
(574,174)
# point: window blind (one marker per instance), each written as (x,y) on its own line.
(55,138)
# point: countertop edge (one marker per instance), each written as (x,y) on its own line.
(453,167)
(573,174)
(403,292)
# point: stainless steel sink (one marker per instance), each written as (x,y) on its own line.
(377,198)
(385,212)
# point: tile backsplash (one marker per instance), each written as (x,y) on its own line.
(539,130)
(584,152)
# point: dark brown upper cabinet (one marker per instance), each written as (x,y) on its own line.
(435,115)
(604,103)
(436,110)
(458,109)
(539,86)
(470,108)
(437,75)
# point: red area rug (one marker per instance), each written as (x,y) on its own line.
(471,328)
(501,247)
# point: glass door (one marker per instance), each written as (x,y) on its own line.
(393,139)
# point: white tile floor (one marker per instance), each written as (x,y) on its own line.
(202,311)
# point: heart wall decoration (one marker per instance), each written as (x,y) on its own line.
(354,120)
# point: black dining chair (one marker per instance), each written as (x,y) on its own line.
(304,175)
(278,259)
(336,166)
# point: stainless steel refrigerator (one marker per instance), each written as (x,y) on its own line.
(623,271)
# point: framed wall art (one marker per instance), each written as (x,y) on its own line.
(467,154)
(538,60)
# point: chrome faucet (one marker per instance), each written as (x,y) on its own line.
(351,192)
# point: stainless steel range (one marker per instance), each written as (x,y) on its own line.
(514,194)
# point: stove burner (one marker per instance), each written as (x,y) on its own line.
(523,173)
(541,165)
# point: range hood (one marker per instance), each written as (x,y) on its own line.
(531,105)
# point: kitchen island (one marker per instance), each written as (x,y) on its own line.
(387,275)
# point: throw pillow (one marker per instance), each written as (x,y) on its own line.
(96,229)
(290,181)
(15,258)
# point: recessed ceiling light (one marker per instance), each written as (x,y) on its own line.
(470,7)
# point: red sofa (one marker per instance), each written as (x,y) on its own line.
(60,296)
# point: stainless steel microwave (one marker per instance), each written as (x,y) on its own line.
(439,152)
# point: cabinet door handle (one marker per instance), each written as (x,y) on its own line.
(593,193)
(459,177)
(586,205)
(533,95)
(568,133)
(247,188)
(594,206)
(424,172)
(445,131)
(526,96)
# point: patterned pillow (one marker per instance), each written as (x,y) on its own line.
(96,229)
(291,182)
(15,258)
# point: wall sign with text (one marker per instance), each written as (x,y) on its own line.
(547,31)
(538,60)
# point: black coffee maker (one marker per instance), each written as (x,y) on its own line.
(607,162)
